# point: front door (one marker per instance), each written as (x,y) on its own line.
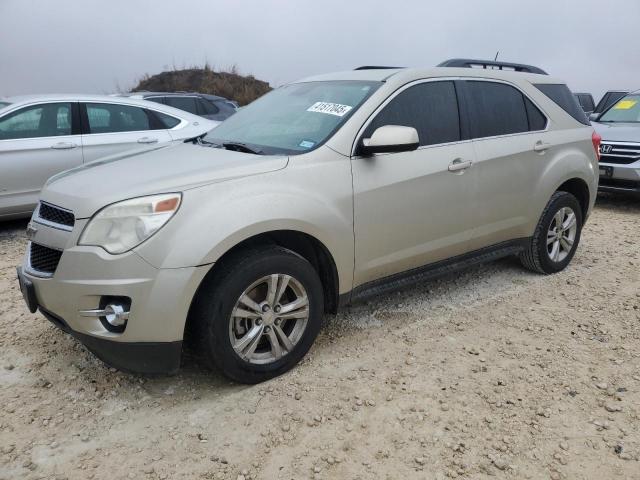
(414,208)
(36,142)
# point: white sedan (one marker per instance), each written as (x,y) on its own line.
(41,135)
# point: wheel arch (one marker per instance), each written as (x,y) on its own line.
(579,189)
(304,244)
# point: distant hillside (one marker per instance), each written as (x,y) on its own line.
(242,89)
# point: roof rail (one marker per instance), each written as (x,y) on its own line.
(375,67)
(489,64)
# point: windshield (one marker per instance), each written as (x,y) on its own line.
(293,119)
(625,110)
(4,104)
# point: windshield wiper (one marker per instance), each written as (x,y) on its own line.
(241,147)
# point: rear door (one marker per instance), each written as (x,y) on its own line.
(511,142)
(36,142)
(110,128)
(414,208)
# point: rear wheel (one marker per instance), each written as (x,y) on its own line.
(259,314)
(556,236)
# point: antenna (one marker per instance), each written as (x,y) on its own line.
(497,53)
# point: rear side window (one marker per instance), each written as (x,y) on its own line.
(206,107)
(46,120)
(537,120)
(562,96)
(111,117)
(155,99)
(431,108)
(167,120)
(188,104)
(499,109)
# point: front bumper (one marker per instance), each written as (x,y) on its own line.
(160,300)
(619,177)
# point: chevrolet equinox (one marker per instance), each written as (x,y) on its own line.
(318,194)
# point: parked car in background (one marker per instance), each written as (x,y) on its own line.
(41,135)
(608,99)
(586,102)
(320,193)
(202,104)
(619,127)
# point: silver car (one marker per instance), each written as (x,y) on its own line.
(41,135)
(321,193)
(619,127)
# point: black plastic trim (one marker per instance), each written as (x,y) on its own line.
(434,270)
(132,357)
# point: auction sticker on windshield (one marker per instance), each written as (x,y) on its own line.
(330,108)
(625,105)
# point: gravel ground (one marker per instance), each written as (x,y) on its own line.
(495,372)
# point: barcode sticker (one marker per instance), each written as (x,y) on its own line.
(330,108)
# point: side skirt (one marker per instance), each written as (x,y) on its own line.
(433,270)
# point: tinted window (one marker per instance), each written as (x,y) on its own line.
(206,107)
(108,117)
(496,109)
(563,97)
(431,108)
(188,104)
(48,120)
(537,120)
(167,120)
(155,99)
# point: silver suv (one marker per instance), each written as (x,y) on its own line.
(619,127)
(319,194)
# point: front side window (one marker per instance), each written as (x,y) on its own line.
(295,118)
(431,108)
(46,120)
(111,117)
(188,104)
(625,110)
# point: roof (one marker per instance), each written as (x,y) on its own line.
(403,75)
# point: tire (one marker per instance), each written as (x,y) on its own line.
(539,255)
(243,275)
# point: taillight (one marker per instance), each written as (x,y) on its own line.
(596,139)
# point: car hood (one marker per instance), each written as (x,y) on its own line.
(173,168)
(618,132)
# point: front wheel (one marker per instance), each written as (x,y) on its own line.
(259,314)
(556,236)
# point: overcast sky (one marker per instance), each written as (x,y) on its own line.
(99,46)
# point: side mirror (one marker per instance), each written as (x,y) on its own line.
(390,139)
(594,117)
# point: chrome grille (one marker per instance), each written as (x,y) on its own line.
(55,215)
(622,153)
(44,259)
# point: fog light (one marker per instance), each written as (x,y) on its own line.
(113,313)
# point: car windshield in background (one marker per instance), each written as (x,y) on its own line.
(626,110)
(293,119)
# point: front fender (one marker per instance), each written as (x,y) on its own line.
(215,218)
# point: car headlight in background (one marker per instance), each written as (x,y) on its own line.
(124,225)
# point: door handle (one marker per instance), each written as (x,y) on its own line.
(64,146)
(458,165)
(541,146)
(147,140)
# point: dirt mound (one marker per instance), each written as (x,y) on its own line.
(231,85)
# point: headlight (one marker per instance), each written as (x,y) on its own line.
(122,226)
